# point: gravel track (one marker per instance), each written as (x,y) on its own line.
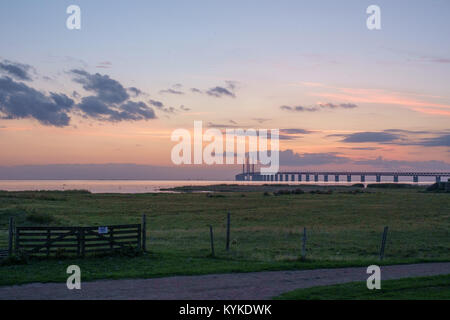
(233,286)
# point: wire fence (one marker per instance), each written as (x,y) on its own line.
(287,243)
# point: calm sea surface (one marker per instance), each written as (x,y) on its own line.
(135,186)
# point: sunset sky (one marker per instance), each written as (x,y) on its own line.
(342,96)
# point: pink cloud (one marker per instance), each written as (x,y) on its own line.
(385,97)
(433,111)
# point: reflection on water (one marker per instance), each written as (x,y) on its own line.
(142,186)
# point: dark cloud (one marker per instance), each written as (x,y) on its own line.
(231,84)
(131,110)
(106,89)
(160,106)
(156,103)
(290,158)
(19,101)
(348,106)
(171,91)
(319,107)
(293,134)
(182,107)
(135,91)
(295,131)
(169,110)
(110,102)
(404,165)
(361,148)
(299,109)
(336,106)
(16,70)
(360,137)
(287,137)
(402,131)
(398,137)
(439,141)
(223,126)
(260,120)
(94,107)
(219,92)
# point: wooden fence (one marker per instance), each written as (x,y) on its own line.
(77,240)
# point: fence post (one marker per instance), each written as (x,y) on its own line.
(48,242)
(383,242)
(111,239)
(78,243)
(81,230)
(10,236)
(16,240)
(303,257)
(228,232)
(139,237)
(212,240)
(144,232)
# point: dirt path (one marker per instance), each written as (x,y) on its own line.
(256,285)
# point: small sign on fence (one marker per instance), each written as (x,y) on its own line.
(102,230)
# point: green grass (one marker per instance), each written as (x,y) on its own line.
(423,288)
(343,229)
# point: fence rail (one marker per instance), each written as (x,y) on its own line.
(77,240)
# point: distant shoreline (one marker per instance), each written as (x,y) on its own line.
(159,186)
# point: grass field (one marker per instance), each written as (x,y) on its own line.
(423,288)
(344,229)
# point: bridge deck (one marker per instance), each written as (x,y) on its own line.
(363,174)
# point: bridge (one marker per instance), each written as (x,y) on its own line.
(251,175)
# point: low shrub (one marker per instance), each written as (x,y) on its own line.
(391,185)
(287,192)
